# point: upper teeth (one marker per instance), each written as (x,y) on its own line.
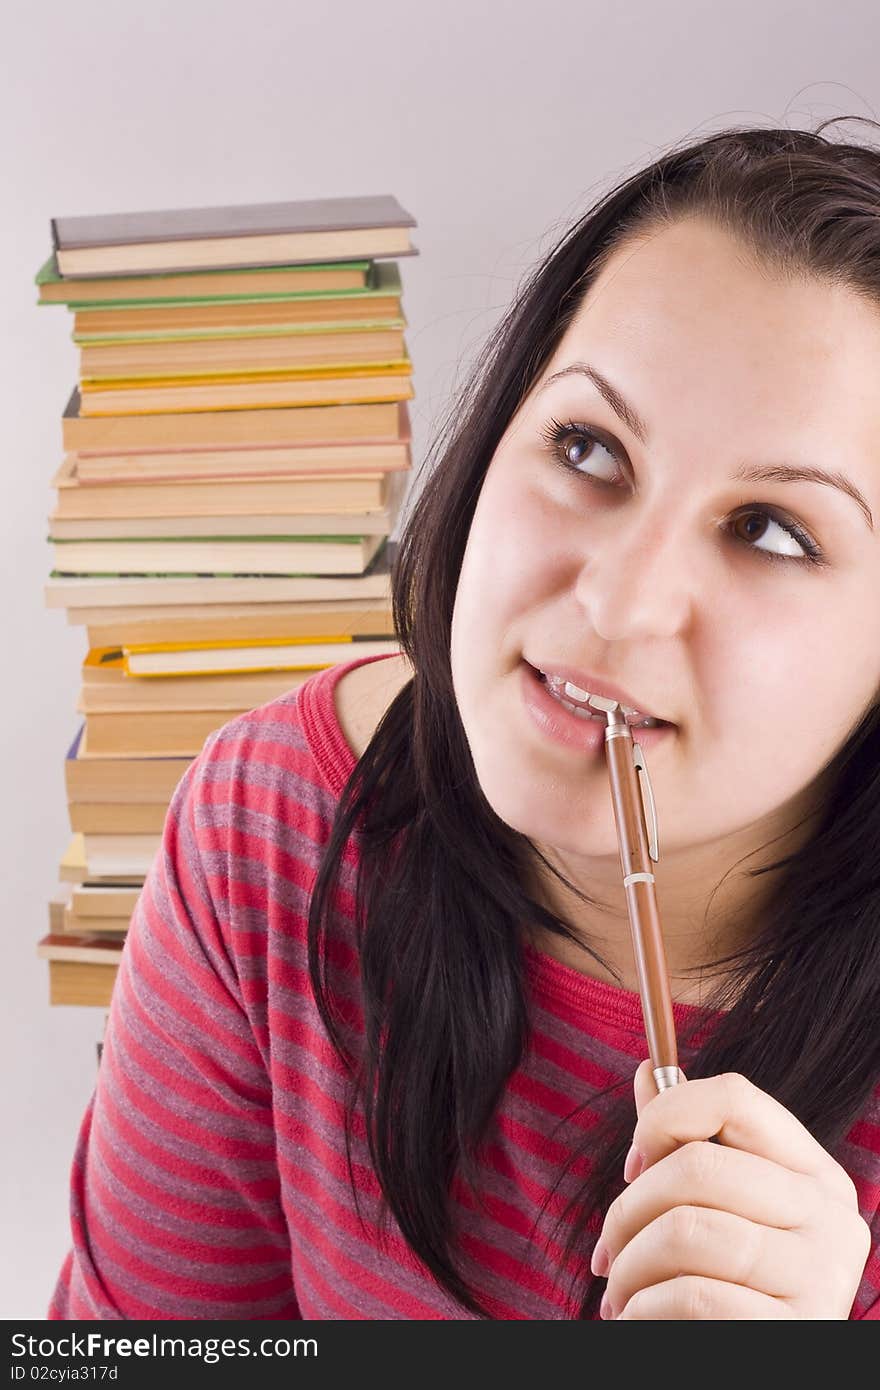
(574,691)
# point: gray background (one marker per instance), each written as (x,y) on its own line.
(495,124)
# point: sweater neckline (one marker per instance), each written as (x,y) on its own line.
(587,997)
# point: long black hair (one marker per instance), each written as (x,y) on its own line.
(442,888)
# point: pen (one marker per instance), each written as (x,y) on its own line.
(635,815)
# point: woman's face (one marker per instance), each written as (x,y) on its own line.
(649,563)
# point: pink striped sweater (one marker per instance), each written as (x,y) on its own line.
(209,1178)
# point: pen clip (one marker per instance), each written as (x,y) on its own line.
(649,809)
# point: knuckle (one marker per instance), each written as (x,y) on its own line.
(638,1304)
(737,1088)
(699,1163)
(681,1227)
(697,1299)
(749,1255)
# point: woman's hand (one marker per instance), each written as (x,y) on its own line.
(763,1224)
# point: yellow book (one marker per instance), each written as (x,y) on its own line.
(272,654)
(108,688)
(273,351)
(310,372)
(325,389)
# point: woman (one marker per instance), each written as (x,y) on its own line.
(374,1047)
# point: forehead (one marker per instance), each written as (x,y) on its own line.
(692,296)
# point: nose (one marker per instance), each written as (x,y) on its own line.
(640,578)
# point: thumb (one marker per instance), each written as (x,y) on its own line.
(644,1085)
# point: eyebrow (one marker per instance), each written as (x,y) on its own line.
(755,473)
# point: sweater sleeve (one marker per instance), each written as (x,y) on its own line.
(174,1196)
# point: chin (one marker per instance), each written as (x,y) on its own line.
(542,809)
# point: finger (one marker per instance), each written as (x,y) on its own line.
(692,1299)
(743,1117)
(644,1085)
(708,1175)
(712,1245)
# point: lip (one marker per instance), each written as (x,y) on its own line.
(596,686)
(561,726)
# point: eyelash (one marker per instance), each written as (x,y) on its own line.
(556,433)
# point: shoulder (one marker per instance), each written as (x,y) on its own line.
(363,694)
(298,747)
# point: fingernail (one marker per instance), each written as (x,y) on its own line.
(605,1309)
(634,1164)
(600,1263)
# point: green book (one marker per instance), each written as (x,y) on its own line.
(234,555)
(253,285)
(284,330)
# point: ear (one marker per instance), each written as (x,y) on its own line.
(644,1085)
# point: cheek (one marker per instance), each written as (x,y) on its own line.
(781,696)
(513,543)
(497,587)
(810,668)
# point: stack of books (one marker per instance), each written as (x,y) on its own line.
(236,454)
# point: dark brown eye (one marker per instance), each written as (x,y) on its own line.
(577,449)
(752,525)
(583,453)
(788,541)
